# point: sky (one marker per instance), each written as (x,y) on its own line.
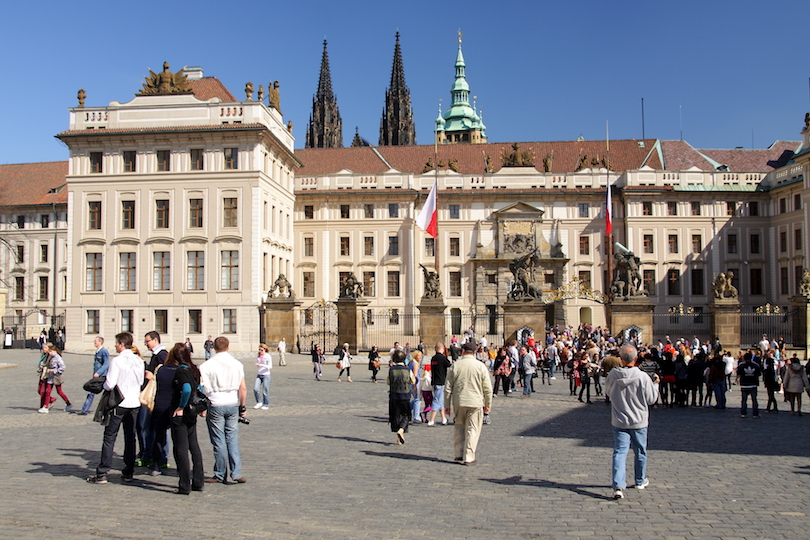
(719,74)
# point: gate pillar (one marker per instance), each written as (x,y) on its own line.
(524,313)
(279,321)
(350,321)
(801,315)
(631,317)
(431,322)
(725,322)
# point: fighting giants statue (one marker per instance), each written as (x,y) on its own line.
(282,288)
(627,282)
(722,287)
(432,290)
(523,271)
(351,288)
(804,284)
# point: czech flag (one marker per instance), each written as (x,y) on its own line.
(428,217)
(608,214)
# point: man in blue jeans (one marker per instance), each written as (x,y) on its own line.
(223,381)
(101,363)
(631,393)
(748,373)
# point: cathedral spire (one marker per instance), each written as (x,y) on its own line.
(325,128)
(397,126)
(461,123)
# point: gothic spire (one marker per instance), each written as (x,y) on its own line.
(325,128)
(397,126)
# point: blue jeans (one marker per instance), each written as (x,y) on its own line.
(88,402)
(623,439)
(261,389)
(744,405)
(527,384)
(223,430)
(720,394)
(551,369)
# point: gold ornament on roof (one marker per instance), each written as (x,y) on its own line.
(165,83)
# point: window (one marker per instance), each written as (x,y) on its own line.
(698,287)
(430,247)
(797,239)
(368,245)
(672,208)
(368,210)
(783,241)
(455,211)
(162,214)
(369,317)
(45,221)
(731,240)
(195,321)
(93,272)
(583,210)
(782,205)
(393,316)
(673,282)
(646,208)
(455,246)
(126,272)
(393,210)
(309,212)
(229,208)
(228,321)
(695,208)
(92,321)
(309,285)
(196,270)
(697,243)
(672,242)
(369,284)
(585,278)
(344,211)
(43,253)
(127,320)
(94,215)
(43,287)
(492,279)
(648,243)
(783,280)
(164,160)
(20,222)
(548,278)
(584,245)
(649,282)
(756,281)
(755,244)
(731,208)
(231,158)
(753,208)
(127,214)
(129,161)
(96,162)
(19,288)
(455,284)
(161,321)
(230,270)
(197,163)
(161,270)
(393,245)
(20,253)
(344,246)
(195,213)
(393,283)
(797,201)
(309,246)
(309,317)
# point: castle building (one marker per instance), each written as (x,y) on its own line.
(460,123)
(325,128)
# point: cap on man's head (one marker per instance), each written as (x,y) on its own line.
(469,346)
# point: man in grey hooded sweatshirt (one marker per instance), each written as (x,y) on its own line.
(631,393)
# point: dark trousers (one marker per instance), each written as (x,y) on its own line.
(744,405)
(184,438)
(399,414)
(586,387)
(697,391)
(127,417)
(160,448)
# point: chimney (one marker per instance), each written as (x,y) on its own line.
(193,73)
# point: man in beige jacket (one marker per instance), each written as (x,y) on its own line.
(469,390)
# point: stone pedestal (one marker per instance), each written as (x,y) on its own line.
(350,321)
(280,321)
(632,319)
(431,322)
(800,317)
(725,322)
(519,314)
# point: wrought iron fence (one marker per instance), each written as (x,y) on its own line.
(681,322)
(384,328)
(773,321)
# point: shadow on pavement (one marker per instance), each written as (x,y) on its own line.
(548,484)
(354,439)
(411,457)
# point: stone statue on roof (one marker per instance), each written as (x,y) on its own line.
(165,83)
(517,157)
(81,95)
(261,93)
(807,121)
(547,162)
(275,97)
(249,91)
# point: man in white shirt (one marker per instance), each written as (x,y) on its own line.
(223,381)
(282,350)
(126,373)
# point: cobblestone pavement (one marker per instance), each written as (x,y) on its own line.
(322,463)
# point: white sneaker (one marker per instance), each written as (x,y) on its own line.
(43,410)
(644,484)
(553,378)
(257,406)
(617,493)
(265,407)
(431,424)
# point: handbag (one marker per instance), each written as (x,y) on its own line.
(57,380)
(147,395)
(339,364)
(198,403)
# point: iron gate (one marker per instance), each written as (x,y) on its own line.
(319,326)
(681,322)
(773,321)
(387,326)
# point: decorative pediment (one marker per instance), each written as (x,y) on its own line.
(520,210)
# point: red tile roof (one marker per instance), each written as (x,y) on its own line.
(209,87)
(680,155)
(471,158)
(24,184)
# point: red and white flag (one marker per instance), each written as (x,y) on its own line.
(428,217)
(608,214)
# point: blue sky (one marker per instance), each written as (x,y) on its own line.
(726,73)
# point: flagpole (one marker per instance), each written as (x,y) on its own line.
(436,181)
(608,211)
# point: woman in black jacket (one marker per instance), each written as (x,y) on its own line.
(184,421)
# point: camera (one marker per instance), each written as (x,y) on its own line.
(244,420)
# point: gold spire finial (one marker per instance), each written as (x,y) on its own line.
(459,36)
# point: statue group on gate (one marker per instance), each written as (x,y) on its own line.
(627,282)
(432,289)
(282,288)
(722,287)
(804,284)
(351,287)
(522,269)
